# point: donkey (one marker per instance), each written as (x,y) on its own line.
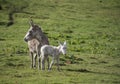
(35,39)
(53,51)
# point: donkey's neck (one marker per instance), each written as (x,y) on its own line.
(39,39)
(42,38)
(39,36)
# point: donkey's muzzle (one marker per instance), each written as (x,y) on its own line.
(25,40)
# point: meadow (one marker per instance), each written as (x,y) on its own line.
(90,27)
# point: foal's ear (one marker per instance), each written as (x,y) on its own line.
(65,43)
(59,43)
(31,22)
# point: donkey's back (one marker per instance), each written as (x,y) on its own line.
(49,50)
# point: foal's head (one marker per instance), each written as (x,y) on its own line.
(63,47)
(33,33)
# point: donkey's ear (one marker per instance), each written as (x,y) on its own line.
(31,22)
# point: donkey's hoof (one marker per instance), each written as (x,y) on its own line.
(34,67)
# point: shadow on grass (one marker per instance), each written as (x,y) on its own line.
(10,64)
(88,71)
(2,23)
(1,39)
(78,70)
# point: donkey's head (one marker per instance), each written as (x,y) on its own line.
(33,33)
(63,48)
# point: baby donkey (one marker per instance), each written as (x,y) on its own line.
(54,52)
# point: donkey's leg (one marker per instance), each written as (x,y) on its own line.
(35,57)
(51,63)
(38,62)
(31,55)
(38,54)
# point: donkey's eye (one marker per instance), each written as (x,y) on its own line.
(31,31)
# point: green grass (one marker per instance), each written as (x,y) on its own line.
(90,27)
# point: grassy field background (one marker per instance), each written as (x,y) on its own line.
(90,27)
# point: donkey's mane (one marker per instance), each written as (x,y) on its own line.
(36,26)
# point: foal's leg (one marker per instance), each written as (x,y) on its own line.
(51,63)
(43,62)
(58,63)
(31,55)
(48,62)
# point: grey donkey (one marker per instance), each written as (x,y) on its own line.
(35,39)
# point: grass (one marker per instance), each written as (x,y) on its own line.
(90,27)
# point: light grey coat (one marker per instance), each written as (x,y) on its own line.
(53,51)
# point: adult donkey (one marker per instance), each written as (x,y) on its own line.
(35,39)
